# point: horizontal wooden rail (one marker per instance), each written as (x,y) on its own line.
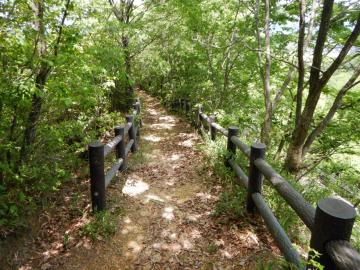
(243,179)
(205,117)
(304,209)
(99,181)
(276,230)
(343,255)
(220,128)
(128,146)
(242,146)
(112,172)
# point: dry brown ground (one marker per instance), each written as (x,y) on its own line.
(168,201)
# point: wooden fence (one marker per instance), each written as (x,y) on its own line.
(99,179)
(330,223)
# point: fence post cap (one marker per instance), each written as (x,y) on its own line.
(121,126)
(96,144)
(258,145)
(233,128)
(337,208)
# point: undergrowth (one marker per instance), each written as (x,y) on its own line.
(231,203)
(58,158)
(102,226)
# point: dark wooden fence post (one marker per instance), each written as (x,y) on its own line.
(181,101)
(137,107)
(120,148)
(132,132)
(198,117)
(334,220)
(97,175)
(231,147)
(255,176)
(212,119)
(187,107)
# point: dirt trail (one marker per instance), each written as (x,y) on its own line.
(168,203)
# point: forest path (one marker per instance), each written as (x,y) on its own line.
(168,199)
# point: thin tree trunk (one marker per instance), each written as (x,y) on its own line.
(301,69)
(265,131)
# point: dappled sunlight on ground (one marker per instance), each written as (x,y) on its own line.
(175,157)
(153,197)
(168,213)
(134,186)
(152,111)
(167,126)
(167,118)
(187,140)
(151,138)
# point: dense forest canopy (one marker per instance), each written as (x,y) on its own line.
(286,72)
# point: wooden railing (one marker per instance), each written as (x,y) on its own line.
(330,223)
(99,179)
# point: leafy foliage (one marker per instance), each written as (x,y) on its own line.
(66,66)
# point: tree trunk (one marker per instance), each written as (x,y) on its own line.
(266,127)
(34,115)
(122,95)
(129,86)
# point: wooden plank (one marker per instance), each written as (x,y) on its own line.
(220,129)
(280,236)
(295,200)
(128,146)
(243,179)
(241,145)
(112,172)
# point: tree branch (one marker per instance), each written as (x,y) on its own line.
(61,26)
(344,51)
(335,106)
(319,46)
